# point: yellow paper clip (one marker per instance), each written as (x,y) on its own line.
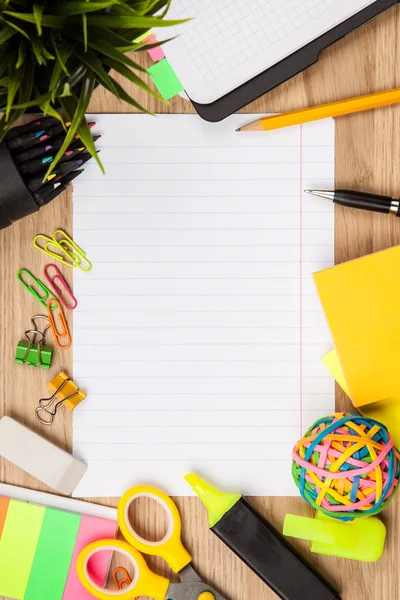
(73,250)
(63,249)
(64,393)
(61,335)
(53,249)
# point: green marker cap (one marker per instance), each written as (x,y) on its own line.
(217,503)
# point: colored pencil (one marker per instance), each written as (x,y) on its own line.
(324,111)
(32,153)
(24,141)
(29,127)
(34,166)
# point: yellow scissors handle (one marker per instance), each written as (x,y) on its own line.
(170,547)
(144,582)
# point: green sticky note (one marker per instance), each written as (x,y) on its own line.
(53,555)
(18,545)
(165,79)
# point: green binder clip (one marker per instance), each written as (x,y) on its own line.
(31,352)
(361,539)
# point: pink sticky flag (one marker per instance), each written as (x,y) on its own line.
(91,529)
(155,53)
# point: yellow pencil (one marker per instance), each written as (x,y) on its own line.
(324,111)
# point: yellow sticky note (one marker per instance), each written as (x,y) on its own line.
(361,302)
(385,411)
(18,547)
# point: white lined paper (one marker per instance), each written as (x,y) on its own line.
(198,333)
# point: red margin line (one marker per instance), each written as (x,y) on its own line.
(301,280)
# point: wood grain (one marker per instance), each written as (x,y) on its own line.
(368,148)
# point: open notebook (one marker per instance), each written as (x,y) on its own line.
(198,334)
(228,42)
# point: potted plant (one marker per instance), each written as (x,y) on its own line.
(54,53)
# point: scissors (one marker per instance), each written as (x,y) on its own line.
(170,548)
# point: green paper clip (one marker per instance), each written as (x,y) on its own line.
(47,293)
(361,539)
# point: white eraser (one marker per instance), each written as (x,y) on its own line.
(38,457)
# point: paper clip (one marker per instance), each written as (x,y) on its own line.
(62,334)
(77,254)
(125,581)
(67,251)
(64,393)
(47,293)
(32,353)
(57,289)
(61,255)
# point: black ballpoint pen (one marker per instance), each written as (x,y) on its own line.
(351,199)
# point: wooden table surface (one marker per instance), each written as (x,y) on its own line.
(367,158)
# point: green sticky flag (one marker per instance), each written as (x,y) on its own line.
(18,545)
(53,555)
(165,79)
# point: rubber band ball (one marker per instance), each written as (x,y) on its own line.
(346,466)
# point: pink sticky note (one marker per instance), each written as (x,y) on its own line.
(156,53)
(91,529)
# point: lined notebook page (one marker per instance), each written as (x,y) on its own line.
(198,334)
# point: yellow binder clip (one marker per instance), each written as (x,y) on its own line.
(64,393)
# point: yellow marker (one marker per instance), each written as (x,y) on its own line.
(325,111)
(362,539)
(206,596)
(50,177)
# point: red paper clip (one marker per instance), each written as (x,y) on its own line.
(57,289)
(63,334)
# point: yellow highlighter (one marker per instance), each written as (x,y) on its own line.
(325,111)
(362,539)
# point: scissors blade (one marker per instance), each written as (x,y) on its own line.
(188,574)
(191,591)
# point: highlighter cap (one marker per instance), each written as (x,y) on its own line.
(217,503)
(361,539)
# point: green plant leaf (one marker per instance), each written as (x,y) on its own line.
(128,74)
(126,22)
(15,82)
(37,48)
(21,55)
(47,20)
(91,60)
(75,110)
(101,44)
(68,9)
(59,69)
(127,98)
(47,109)
(18,29)
(84,29)
(38,15)
(6,33)
(62,53)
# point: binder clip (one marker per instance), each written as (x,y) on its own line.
(32,353)
(64,393)
(361,539)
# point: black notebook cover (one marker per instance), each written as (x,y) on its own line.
(287,68)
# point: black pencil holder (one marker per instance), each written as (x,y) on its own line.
(16,201)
